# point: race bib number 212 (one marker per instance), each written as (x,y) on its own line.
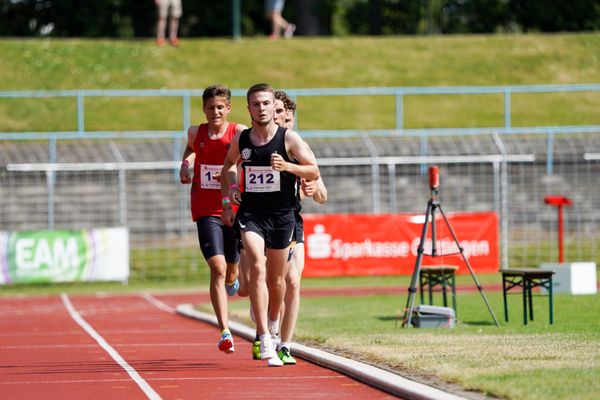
(262,179)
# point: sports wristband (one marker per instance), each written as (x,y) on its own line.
(225,201)
(233,186)
(185,163)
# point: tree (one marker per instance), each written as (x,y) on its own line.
(572,15)
(207,18)
(60,18)
(476,16)
(375,17)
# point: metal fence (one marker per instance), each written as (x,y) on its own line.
(399,94)
(75,180)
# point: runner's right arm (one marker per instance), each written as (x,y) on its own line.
(229,178)
(184,173)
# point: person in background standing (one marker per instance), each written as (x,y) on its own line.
(163,12)
(273,10)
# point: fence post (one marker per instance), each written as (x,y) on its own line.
(400,111)
(80,113)
(496,183)
(183,210)
(376,188)
(177,153)
(503,202)
(122,195)
(186,111)
(50,178)
(550,152)
(50,181)
(236,11)
(423,151)
(392,182)
(507,120)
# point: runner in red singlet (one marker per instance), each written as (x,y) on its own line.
(207,146)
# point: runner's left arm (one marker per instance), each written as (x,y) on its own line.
(299,150)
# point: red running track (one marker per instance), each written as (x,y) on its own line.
(45,353)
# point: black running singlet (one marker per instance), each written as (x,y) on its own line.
(266,191)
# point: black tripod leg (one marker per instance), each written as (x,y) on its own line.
(468,265)
(413,282)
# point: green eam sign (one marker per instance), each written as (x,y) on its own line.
(47,256)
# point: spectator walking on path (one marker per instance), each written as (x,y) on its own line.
(161,27)
(279,25)
(207,146)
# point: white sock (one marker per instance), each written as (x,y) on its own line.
(284,344)
(263,336)
(273,326)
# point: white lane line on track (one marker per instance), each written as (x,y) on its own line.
(197,378)
(62,346)
(146,388)
(24,312)
(112,331)
(156,302)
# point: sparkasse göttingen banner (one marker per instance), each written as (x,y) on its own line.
(386,244)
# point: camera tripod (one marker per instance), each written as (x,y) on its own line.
(432,205)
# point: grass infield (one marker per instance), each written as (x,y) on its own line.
(513,361)
(474,60)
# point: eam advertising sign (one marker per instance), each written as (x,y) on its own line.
(64,256)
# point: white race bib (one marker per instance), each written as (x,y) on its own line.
(207,176)
(262,179)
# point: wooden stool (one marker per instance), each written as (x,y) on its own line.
(438,275)
(527,279)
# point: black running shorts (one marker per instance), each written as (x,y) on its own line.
(217,239)
(299,234)
(277,230)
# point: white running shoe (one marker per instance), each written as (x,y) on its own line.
(274,362)
(267,351)
(226,343)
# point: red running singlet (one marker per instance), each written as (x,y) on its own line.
(210,154)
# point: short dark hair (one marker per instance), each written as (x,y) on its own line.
(290,104)
(281,95)
(259,87)
(216,91)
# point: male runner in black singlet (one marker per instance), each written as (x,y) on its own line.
(266,214)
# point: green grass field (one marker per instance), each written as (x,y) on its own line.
(55,64)
(513,361)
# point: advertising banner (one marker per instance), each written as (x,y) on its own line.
(64,256)
(386,244)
